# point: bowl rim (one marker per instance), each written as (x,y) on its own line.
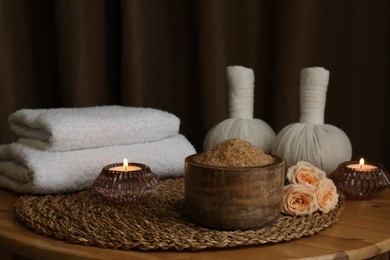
(343,166)
(278,161)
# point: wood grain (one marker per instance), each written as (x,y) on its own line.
(363,231)
(234,198)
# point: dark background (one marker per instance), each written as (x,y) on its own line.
(172,55)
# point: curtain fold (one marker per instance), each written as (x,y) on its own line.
(87,50)
(172,55)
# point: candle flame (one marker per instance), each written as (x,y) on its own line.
(361,163)
(125,163)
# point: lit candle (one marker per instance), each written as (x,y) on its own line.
(362,166)
(125,167)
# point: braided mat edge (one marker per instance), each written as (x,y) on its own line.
(157,223)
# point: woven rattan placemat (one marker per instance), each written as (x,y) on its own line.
(157,223)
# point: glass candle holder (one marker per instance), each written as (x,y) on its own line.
(125,187)
(357,184)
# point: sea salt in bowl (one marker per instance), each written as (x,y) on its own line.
(234,198)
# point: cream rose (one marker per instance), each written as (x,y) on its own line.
(327,196)
(299,199)
(305,172)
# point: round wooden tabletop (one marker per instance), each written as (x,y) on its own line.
(363,231)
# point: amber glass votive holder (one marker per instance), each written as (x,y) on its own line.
(356,184)
(125,187)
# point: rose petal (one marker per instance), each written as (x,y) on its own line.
(327,196)
(305,172)
(299,199)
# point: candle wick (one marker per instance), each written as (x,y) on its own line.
(125,167)
(361,166)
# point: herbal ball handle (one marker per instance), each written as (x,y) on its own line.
(241,91)
(314,85)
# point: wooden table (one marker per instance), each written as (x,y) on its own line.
(363,231)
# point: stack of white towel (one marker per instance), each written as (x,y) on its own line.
(64,149)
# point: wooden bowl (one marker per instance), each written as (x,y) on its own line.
(231,198)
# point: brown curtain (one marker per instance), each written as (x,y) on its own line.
(172,55)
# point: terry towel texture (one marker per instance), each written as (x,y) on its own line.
(64,129)
(28,170)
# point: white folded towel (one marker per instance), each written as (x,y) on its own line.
(64,129)
(28,170)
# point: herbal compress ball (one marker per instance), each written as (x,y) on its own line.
(241,123)
(323,145)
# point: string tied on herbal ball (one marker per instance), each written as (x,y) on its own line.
(241,123)
(323,145)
